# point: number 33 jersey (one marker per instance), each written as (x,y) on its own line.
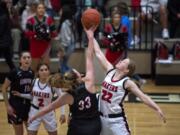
(85,104)
(112,94)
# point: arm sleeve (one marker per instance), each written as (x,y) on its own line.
(26,96)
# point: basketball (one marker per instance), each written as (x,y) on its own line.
(90,17)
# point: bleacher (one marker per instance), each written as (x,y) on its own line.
(140,54)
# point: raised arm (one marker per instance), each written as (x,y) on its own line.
(89,78)
(131,86)
(101,58)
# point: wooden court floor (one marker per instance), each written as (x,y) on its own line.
(142,120)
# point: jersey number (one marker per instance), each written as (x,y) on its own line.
(106,96)
(41,102)
(85,104)
(27,88)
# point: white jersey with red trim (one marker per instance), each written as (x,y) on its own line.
(112,94)
(42,94)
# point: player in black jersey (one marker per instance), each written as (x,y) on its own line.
(81,97)
(20,80)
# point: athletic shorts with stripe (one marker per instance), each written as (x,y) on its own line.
(48,120)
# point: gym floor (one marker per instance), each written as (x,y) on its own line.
(142,120)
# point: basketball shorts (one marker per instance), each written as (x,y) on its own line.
(114,126)
(84,127)
(48,120)
(21,114)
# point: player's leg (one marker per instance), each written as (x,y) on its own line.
(24,113)
(32,132)
(18,129)
(52,133)
(17,122)
(26,125)
(49,121)
(34,125)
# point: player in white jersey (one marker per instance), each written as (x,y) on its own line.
(114,88)
(42,95)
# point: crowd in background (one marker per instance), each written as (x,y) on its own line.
(23,22)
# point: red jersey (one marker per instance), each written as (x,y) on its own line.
(39,47)
(113,57)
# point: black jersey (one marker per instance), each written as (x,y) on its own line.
(85,118)
(85,104)
(20,81)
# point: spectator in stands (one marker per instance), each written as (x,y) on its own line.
(49,8)
(66,36)
(174,17)
(123,7)
(15,26)
(40,31)
(114,54)
(62,57)
(6,41)
(29,11)
(20,5)
(148,10)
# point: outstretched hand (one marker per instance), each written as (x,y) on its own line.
(11,111)
(29,120)
(62,119)
(16,93)
(90,32)
(162,116)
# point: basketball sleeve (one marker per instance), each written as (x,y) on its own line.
(26,96)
